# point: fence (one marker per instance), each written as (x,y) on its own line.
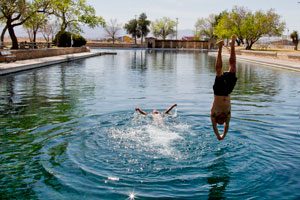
(27,45)
(24,54)
(179,44)
(34,45)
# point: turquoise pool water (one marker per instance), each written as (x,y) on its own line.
(70,131)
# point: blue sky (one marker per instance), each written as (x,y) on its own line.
(188,11)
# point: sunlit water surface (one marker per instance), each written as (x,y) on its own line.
(70,131)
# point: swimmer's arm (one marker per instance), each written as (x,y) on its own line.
(214,125)
(142,112)
(167,111)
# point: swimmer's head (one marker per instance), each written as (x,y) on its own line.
(155,112)
(221,118)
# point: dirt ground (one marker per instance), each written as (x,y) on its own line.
(278,50)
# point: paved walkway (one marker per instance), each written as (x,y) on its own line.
(284,64)
(12,67)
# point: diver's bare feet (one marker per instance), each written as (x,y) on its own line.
(220,44)
(233,38)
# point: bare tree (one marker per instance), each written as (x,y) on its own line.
(29,33)
(112,28)
(49,30)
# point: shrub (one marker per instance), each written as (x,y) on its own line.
(62,39)
(78,41)
(295,38)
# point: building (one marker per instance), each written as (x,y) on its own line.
(178,44)
(187,38)
(124,39)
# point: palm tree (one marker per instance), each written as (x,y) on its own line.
(143,25)
(132,28)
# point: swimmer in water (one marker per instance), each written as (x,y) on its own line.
(223,86)
(155,112)
(157,117)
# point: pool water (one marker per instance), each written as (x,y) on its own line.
(70,131)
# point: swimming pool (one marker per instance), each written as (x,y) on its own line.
(71,131)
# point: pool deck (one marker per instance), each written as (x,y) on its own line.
(283,64)
(22,65)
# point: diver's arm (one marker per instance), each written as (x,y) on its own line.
(142,112)
(167,111)
(226,126)
(214,125)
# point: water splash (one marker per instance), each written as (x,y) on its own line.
(146,134)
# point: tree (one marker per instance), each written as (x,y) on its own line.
(238,15)
(17,12)
(33,24)
(249,27)
(295,37)
(163,27)
(2,21)
(112,29)
(49,30)
(254,26)
(143,25)
(73,13)
(204,27)
(138,28)
(224,29)
(231,23)
(132,28)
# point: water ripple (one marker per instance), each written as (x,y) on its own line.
(125,151)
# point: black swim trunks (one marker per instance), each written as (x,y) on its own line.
(224,84)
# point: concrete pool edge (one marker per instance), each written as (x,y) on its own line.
(23,65)
(282,64)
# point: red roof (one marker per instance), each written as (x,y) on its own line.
(187,38)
